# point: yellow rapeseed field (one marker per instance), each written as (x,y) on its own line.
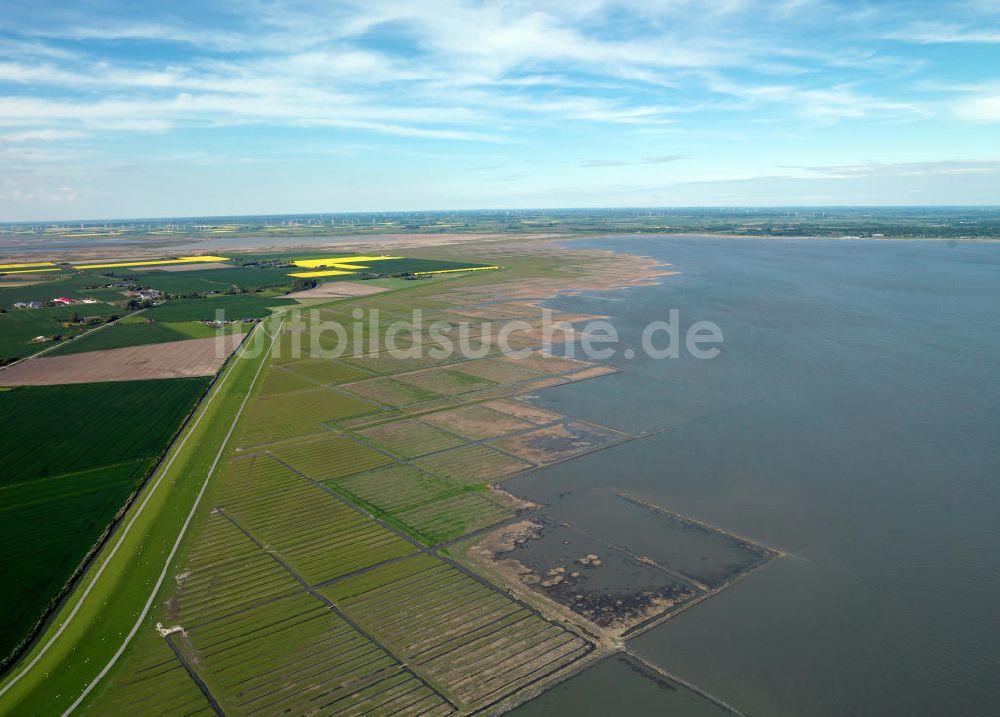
(28,271)
(454,271)
(25,265)
(155,262)
(335,261)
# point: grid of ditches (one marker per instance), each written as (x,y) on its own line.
(320,582)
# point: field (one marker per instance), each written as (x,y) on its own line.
(472,464)
(288,415)
(455,515)
(325,371)
(160,685)
(99,441)
(118,336)
(443,381)
(19,326)
(410,438)
(228,308)
(178,359)
(477,421)
(350,266)
(474,641)
(140,333)
(317,535)
(78,285)
(152,262)
(74,510)
(328,455)
(391,392)
(324,664)
(392,489)
(84,424)
(187,267)
(278,380)
(209,279)
(526,411)
(337,289)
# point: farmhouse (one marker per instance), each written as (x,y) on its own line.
(62,301)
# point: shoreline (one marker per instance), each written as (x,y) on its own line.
(153,247)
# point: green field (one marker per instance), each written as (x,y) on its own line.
(73,285)
(19,326)
(290,415)
(233,308)
(277,380)
(410,438)
(316,534)
(472,464)
(328,455)
(429,508)
(473,641)
(209,281)
(141,333)
(72,455)
(51,430)
(74,510)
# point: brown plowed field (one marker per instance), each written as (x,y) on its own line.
(177,359)
(335,289)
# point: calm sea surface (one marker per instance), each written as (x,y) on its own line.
(852,421)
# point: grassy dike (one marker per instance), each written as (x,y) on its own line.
(91,629)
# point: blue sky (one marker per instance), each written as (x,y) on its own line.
(247,107)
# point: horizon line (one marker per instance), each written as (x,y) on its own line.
(486,210)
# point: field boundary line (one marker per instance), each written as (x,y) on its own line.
(216,707)
(337,610)
(187,521)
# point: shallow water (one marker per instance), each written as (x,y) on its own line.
(619,686)
(850,421)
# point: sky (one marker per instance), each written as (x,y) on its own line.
(158,109)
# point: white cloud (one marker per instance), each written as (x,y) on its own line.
(40,135)
(985,108)
(905,169)
(931,33)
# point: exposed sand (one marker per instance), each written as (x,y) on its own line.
(178,359)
